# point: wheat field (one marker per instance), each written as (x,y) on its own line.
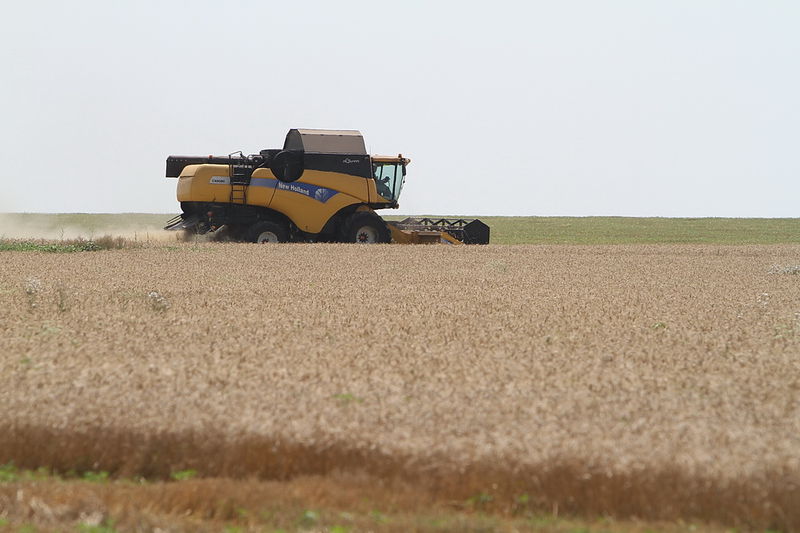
(660,382)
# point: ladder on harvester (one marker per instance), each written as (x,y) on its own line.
(239,179)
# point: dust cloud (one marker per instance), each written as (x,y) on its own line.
(136,227)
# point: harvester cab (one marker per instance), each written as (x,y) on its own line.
(321,186)
(389,176)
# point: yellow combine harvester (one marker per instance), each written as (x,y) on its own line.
(322,186)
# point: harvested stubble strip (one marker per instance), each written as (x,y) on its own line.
(570,485)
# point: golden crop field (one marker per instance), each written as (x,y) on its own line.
(651,381)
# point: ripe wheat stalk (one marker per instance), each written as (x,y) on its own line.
(650,381)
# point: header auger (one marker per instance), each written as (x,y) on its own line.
(321,187)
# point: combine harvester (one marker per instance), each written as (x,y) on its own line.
(321,187)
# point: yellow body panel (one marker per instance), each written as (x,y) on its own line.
(309,202)
(195,184)
(310,211)
(261,195)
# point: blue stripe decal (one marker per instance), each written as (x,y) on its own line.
(320,194)
(263,182)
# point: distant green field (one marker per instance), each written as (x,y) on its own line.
(504,230)
(630,230)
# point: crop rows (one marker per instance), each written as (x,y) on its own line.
(652,381)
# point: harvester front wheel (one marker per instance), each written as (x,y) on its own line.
(267,231)
(367,228)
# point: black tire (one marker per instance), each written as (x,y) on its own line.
(365,227)
(267,231)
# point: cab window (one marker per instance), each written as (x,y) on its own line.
(389,179)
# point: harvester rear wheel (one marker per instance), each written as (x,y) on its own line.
(267,231)
(367,228)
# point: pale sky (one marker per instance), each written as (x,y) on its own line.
(634,108)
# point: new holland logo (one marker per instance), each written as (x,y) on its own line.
(294,188)
(320,194)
